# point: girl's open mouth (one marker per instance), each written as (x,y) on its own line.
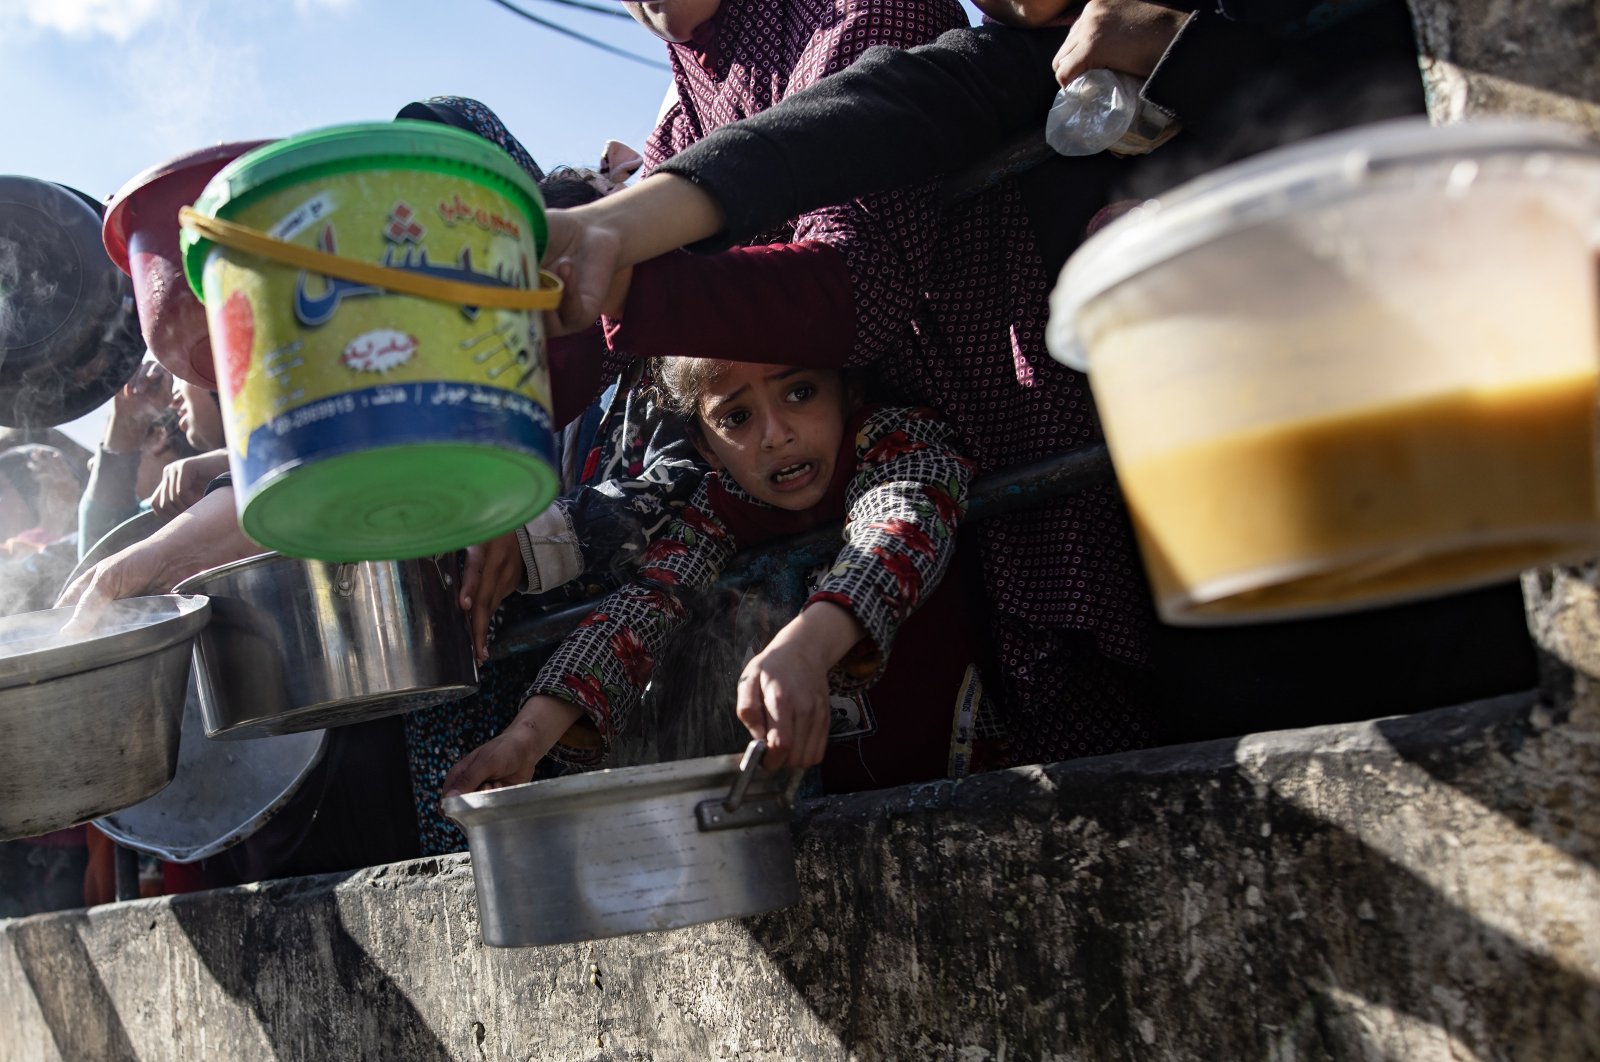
(792,473)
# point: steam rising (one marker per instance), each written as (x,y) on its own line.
(688,708)
(33,632)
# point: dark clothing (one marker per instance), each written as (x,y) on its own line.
(901,117)
(1242,76)
(947,308)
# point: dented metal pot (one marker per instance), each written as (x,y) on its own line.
(90,722)
(631,850)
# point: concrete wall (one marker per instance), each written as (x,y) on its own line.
(1420,888)
(1485,58)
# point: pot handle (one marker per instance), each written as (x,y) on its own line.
(733,811)
(344,580)
(748,765)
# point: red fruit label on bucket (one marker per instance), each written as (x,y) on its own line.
(237,339)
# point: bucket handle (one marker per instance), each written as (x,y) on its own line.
(547,296)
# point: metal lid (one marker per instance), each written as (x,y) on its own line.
(1287,180)
(69,338)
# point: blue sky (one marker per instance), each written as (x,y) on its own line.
(97,90)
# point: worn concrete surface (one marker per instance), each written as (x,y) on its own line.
(1418,888)
(1483,58)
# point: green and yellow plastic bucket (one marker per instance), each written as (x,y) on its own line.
(373,297)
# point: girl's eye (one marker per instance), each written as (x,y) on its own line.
(801,392)
(732,420)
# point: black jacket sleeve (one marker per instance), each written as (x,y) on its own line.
(893,118)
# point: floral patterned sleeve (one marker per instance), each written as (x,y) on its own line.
(604,665)
(909,490)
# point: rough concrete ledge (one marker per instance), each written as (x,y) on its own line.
(1420,888)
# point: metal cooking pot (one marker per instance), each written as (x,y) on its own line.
(69,337)
(630,850)
(298,645)
(90,724)
(223,791)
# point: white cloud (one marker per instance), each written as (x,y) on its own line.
(118,19)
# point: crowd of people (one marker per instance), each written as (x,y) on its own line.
(784,324)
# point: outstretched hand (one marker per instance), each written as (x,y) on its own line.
(510,758)
(184,482)
(590,247)
(783,690)
(585,253)
(205,536)
(493,570)
(1126,35)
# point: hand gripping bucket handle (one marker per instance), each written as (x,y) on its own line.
(547,296)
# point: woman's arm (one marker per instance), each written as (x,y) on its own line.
(899,116)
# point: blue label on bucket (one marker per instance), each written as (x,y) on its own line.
(408,414)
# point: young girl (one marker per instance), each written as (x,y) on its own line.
(791,449)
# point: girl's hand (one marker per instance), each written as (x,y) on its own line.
(139,404)
(783,691)
(511,758)
(1126,35)
(493,570)
(184,482)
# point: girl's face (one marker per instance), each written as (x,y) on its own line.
(775,430)
(673,20)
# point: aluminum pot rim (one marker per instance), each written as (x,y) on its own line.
(191,612)
(194,582)
(551,796)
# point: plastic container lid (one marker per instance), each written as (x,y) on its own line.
(343,148)
(1279,182)
(398,502)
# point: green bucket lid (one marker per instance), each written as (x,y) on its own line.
(343,148)
(395,503)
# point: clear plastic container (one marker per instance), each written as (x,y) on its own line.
(1351,372)
(1100,110)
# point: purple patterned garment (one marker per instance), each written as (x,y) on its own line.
(950,312)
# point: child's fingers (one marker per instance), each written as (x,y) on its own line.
(467,775)
(751,707)
(1071,61)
